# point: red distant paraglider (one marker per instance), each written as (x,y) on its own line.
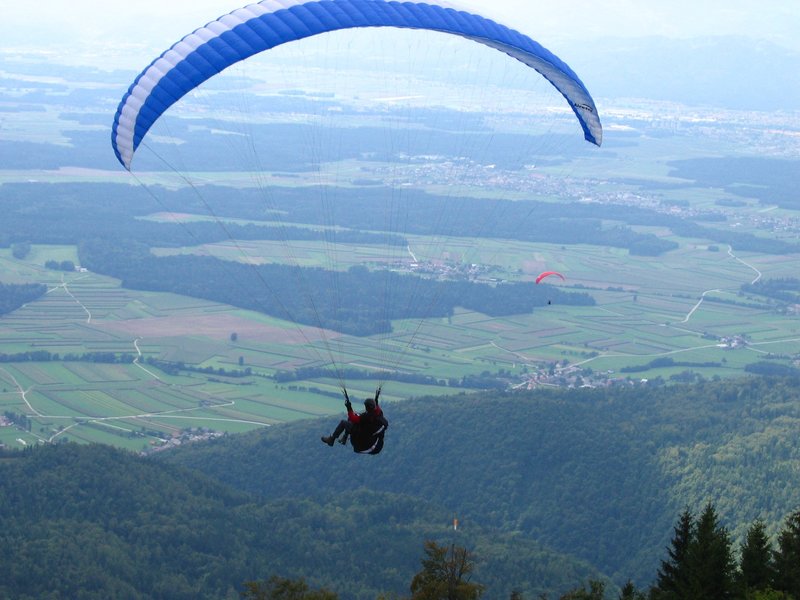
(548,274)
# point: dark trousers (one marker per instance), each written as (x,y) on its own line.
(344,425)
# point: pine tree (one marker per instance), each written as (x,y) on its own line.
(787,557)
(629,592)
(756,571)
(710,559)
(673,575)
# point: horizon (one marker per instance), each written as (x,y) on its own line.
(83,25)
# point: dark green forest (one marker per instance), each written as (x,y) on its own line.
(364,302)
(12,296)
(95,522)
(771,180)
(357,301)
(70,213)
(616,464)
(784,290)
(554,491)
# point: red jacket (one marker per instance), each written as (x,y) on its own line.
(355,417)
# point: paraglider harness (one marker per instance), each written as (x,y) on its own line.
(369,427)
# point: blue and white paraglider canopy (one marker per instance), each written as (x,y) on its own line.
(270,23)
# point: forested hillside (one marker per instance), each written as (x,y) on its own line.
(600,474)
(551,489)
(93,522)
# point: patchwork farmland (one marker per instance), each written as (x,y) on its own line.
(678,306)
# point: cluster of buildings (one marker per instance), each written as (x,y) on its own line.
(574,376)
(185,436)
(732,342)
(439,269)
(786,224)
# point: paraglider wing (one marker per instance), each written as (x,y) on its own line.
(269,23)
(548,274)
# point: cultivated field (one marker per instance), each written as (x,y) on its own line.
(684,305)
(679,305)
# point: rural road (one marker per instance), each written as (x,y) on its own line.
(63,285)
(703,295)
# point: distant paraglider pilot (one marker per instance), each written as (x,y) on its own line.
(548,274)
(366,429)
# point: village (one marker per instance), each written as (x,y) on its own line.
(445,269)
(184,436)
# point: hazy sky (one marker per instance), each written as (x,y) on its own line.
(162,22)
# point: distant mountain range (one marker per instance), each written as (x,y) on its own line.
(732,72)
(727,72)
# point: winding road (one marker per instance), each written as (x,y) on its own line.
(63,285)
(703,295)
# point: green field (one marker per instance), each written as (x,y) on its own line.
(684,305)
(646,308)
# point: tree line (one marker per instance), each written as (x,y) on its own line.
(105,357)
(351,373)
(62,265)
(782,289)
(666,361)
(701,564)
(47,356)
(486,380)
(357,301)
(772,369)
(69,213)
(12,295)
(771,180)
